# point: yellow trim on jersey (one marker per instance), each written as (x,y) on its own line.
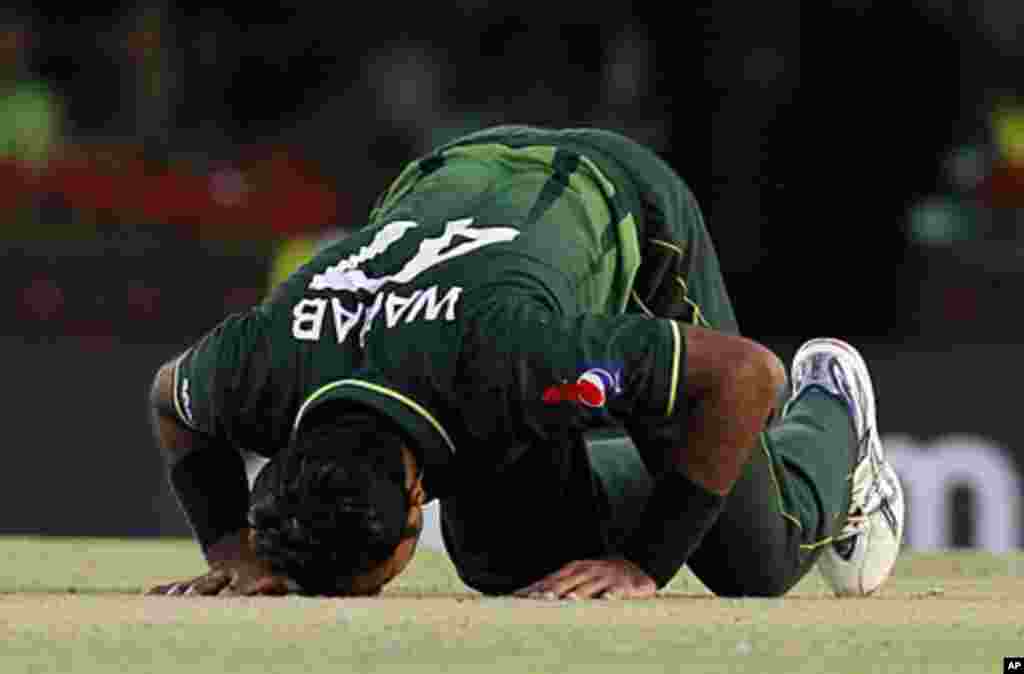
(668,244)
(640,303)
(383,390)
(676,355)
(698,314)
(677,343)
(174,392)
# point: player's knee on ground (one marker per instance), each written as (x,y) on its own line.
(762,586)
(772,574)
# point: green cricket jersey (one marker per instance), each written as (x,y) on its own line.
(481,309)
(679,275)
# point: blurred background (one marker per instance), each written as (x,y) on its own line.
(860,164)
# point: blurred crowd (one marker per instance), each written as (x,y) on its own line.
(267,131)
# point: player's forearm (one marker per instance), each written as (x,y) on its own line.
(212,490)
(208,477)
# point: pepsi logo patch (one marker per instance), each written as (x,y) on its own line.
(593,388)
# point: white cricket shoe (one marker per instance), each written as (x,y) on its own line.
(861,556)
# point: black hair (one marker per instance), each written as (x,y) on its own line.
(334,504)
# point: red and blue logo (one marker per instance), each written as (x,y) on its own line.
(592,388)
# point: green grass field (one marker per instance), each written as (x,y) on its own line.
(76,606)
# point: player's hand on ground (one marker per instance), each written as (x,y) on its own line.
(612,578)
(232,580)
(208,584)
(235,571)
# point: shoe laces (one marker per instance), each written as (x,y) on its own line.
(869,490)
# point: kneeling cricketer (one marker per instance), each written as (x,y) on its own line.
(532,328)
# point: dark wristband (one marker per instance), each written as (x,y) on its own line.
(677,516)
(213,490)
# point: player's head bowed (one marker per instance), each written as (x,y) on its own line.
(339,511)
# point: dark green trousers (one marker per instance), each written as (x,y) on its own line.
(531,519)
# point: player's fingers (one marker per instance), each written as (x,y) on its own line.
(590,589)
(546,585)
(235,586)
(562,587)
(584,573)
(210,584)
(177,589)
(534,589)
(543,589)
(160,589)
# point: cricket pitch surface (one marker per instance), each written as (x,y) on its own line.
(76,606)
